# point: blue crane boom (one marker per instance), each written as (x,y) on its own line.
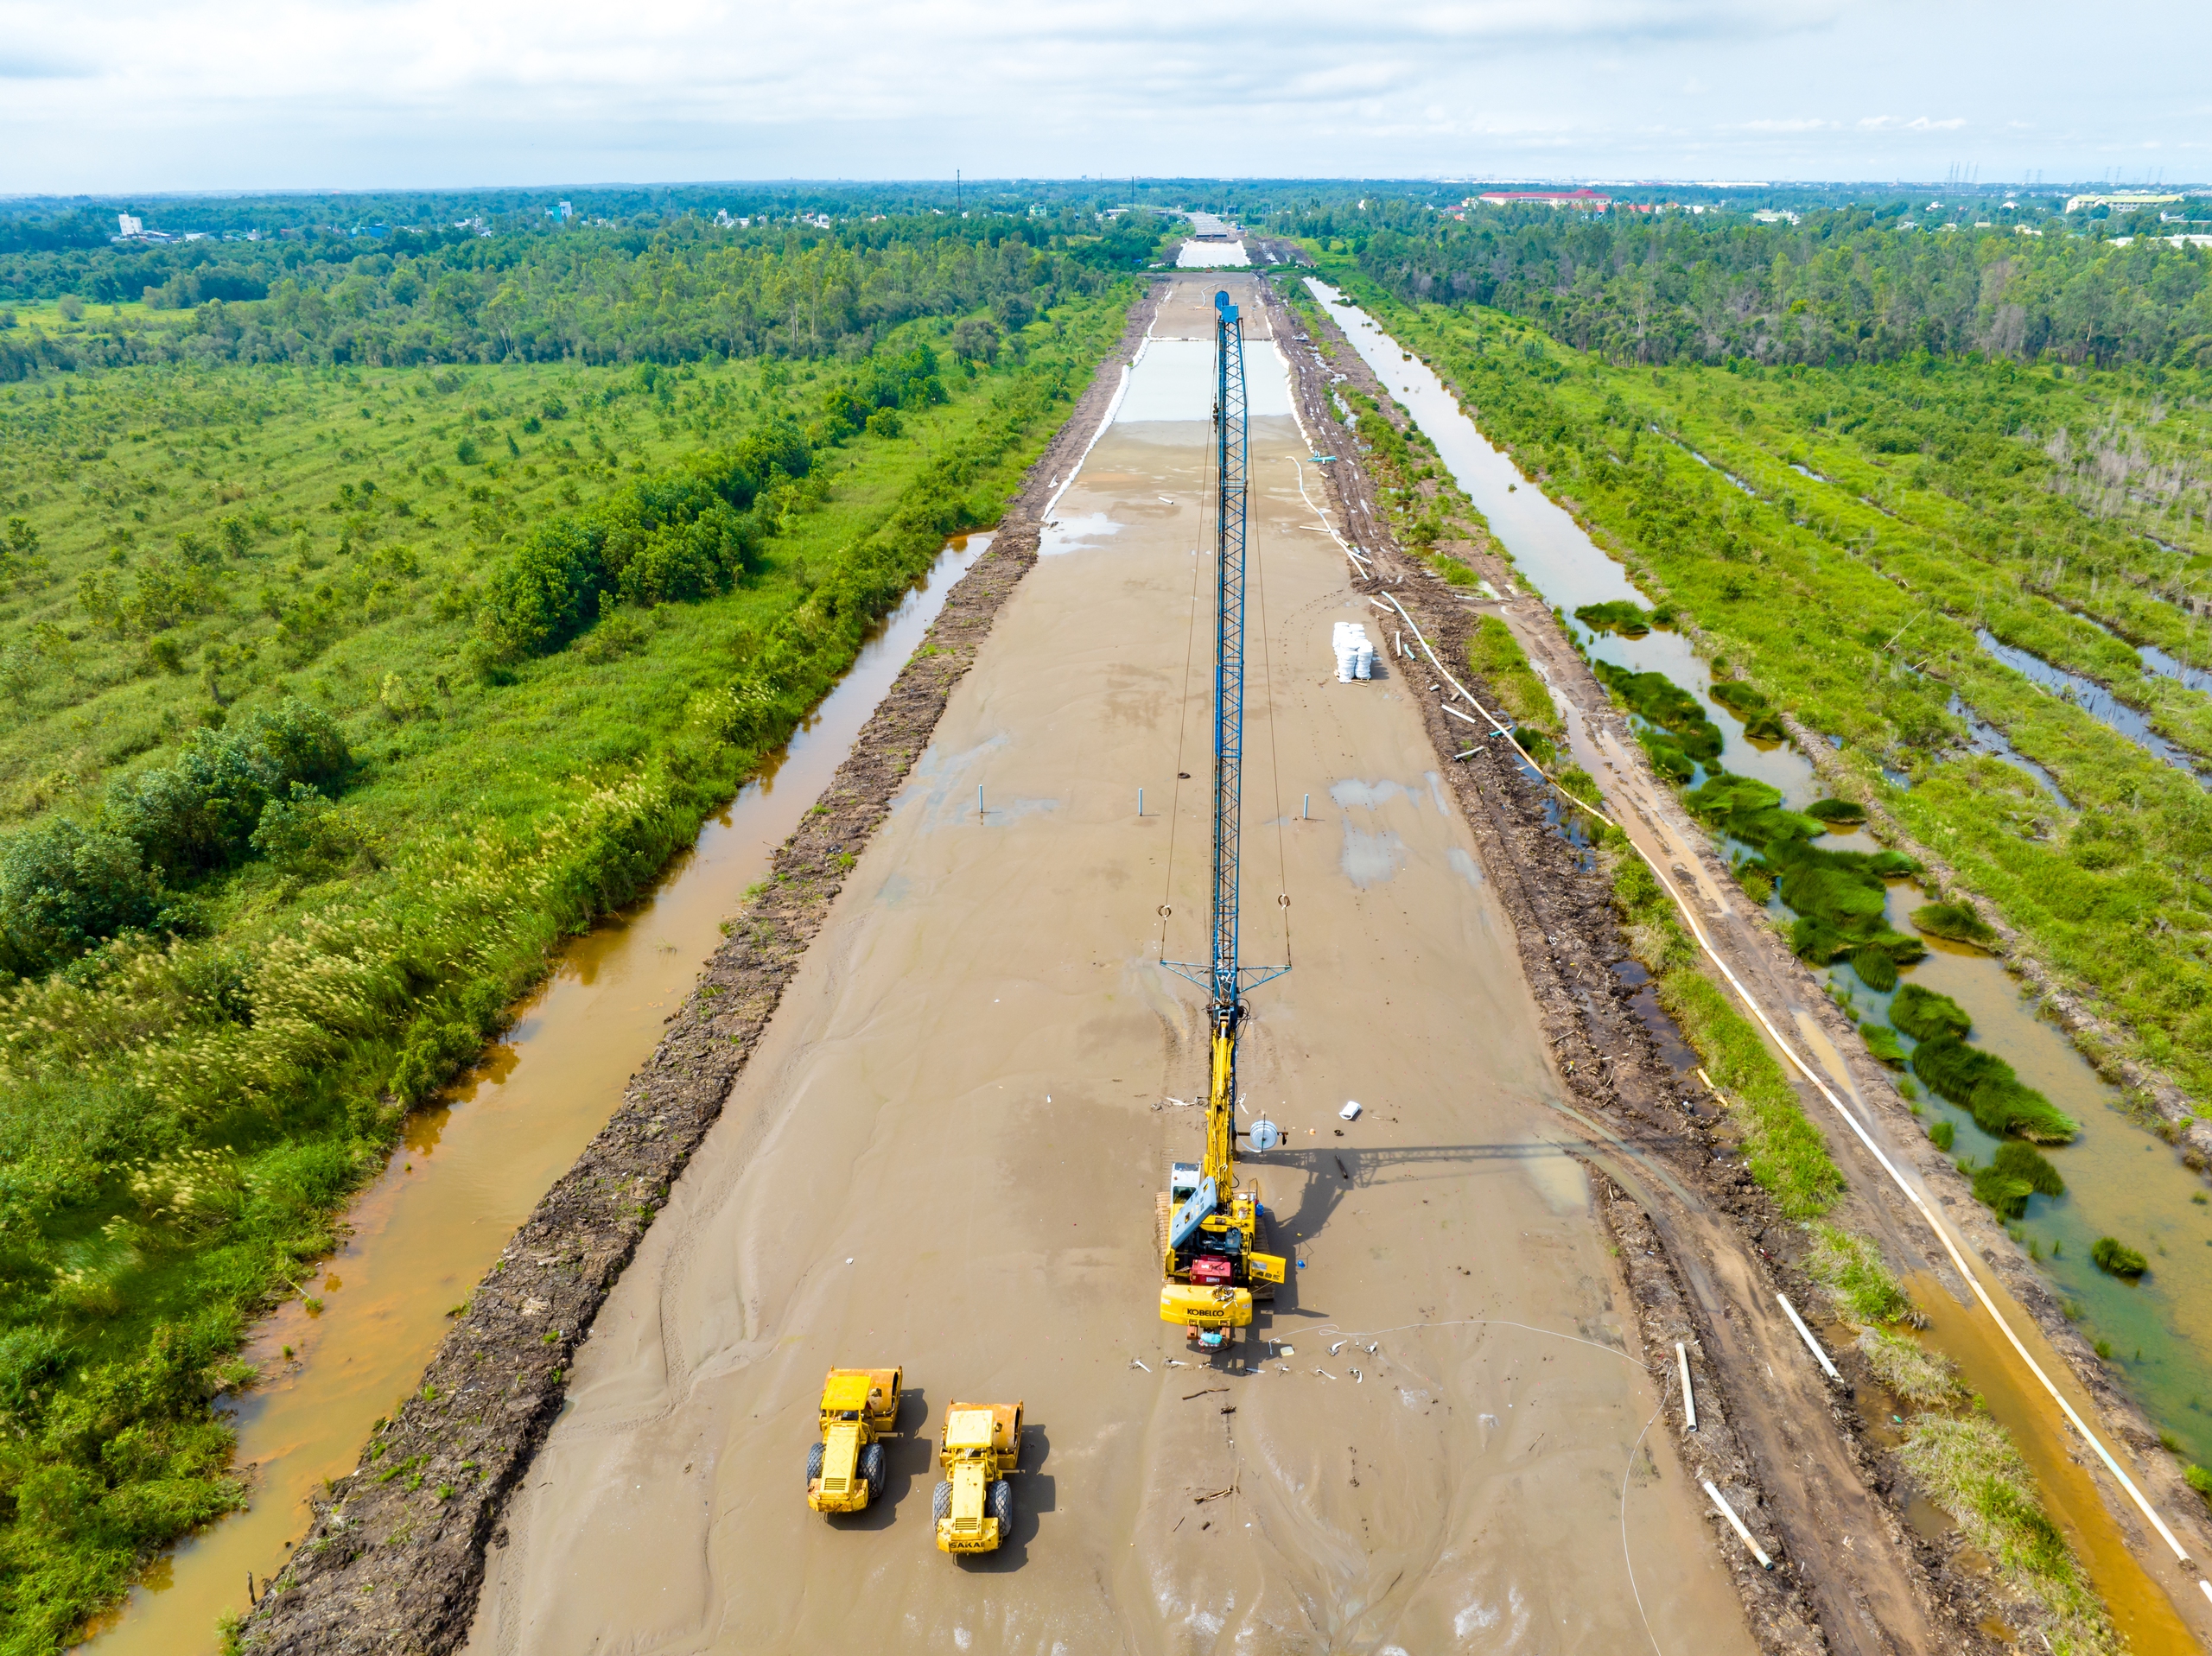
(1209,1225)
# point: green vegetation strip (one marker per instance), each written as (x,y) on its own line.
(1859,619)
(1968,1465)
(341,697)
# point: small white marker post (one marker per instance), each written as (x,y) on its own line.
(1140,801)
(1306,811)
(1729,1512)
(979,802)
(1811,1344)
(1690,1403)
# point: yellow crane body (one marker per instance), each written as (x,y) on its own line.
(1210,1265)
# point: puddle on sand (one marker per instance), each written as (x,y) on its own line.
(1665,1034)
(1552,552)
(1988,1368)
(469,1171)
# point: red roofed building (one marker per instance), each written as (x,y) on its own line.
(1588,200)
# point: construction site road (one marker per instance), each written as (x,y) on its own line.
(945,1152)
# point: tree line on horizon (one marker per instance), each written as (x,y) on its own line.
(685,292)
(1840,288)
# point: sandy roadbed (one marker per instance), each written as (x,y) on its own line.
(944,1154)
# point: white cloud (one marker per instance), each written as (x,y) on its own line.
(241,93)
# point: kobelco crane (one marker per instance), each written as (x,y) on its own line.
(1209,1224)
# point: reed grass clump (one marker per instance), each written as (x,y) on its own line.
(1749,704)
(1882,1042)
(1968,1466)
(2115,1258)
(1629,619)
(1863,1288)
(1917,1374)
(1927,1016)
(1959,922)
(1986,1085)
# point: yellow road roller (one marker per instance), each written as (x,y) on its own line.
(978,1448)
(860,1407)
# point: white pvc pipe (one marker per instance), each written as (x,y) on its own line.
(1729,1512)
(1806,1335)
(1690,1403)
(1942,1232)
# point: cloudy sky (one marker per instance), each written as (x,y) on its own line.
(116,95)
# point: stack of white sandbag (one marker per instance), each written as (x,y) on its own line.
(1355,655)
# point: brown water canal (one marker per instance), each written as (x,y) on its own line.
(2120,1180)
(473,1167)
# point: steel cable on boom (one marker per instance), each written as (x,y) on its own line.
(1183,715)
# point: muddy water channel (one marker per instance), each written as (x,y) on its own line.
(472,1168)
(2120,1181)
(1555,556)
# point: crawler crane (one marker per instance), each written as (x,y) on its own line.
(1209,1224)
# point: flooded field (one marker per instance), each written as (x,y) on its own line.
(472,1167)
(2120,1180)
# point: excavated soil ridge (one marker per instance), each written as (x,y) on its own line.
(395,1560)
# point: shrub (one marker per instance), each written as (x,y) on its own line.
(305,834)
(2115,1258)
(200,812)
(65,889)
(1943,1134)
(1840,813)
(1882,1042)
(1924,1015)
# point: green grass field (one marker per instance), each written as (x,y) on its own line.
(1861,618)
(192,554)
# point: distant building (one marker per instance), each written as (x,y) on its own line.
(131,224)
(2122,200)
(1775,216)
(1584,200)
(567,212)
